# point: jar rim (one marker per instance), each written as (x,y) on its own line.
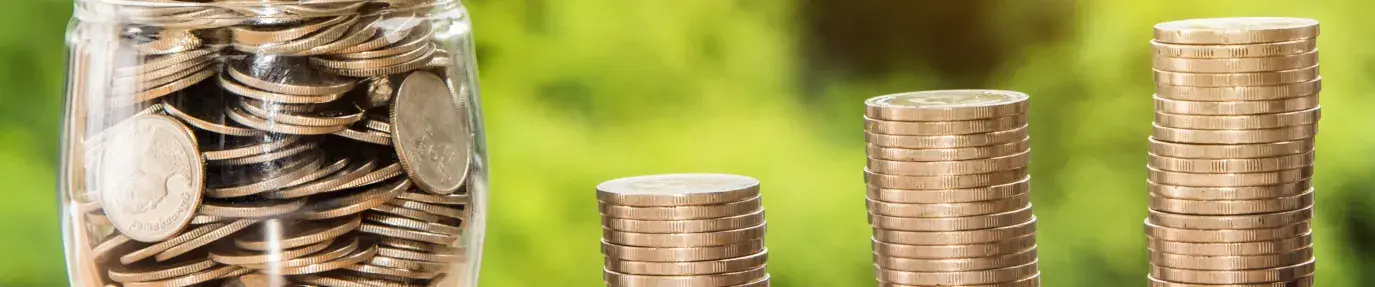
(117,10)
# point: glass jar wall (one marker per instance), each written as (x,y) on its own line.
(272,143)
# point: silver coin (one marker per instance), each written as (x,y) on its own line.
(152,177)
(430,133)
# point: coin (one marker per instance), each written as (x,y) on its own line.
(1239,93)
(142,272)
(209,237)
(1232,207)
(930,196)
(681,254)
(681,212)
(1267,220)
(1306,281)
(1232,108)
(1299,118)
(265,34)
(965,237)
(948,141)
(958,277)
(1230,179)
(948,154)
(1237,79)
(944,182)
(1228,263)
(1235,65)
(943,128)
(938,168)
(951,223)
(684,226)
(955,265)
(287,75)
(431,140)
(156,197)
(1278,274)
(946,105)
(1245,165)
(1003,247)
(725,279)
(1225,235)
(728,265)
(1230,192)
(947,209)
(297,234)
(225,252)
(1254,50)
(1031,281)
(1233,151)
(677,190)
(1231,249)
(1242,30)
(684,239)
(190,279)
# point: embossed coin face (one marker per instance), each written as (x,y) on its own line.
(430,133)
(152,178)
(1238,24)
(949,99)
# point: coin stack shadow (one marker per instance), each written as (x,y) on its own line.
(948,189)
(683,230)
(303,128)
(1231,156)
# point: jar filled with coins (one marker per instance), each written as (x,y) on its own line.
(272,143)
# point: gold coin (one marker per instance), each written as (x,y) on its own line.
(944,182)
(937,168)
(1232,207)
(977,194)
(948,209)
(286,75)
(684,226)
(296,234)
(965,237)
(677,190)
(1306,281)
(1255,50)
(1268,220)
(1231,249)
(1239,93)
(1230,179)
(948,154)
(957,278)
(1243,165)
(1230,192)
(728,265)
(943,128)
(681,212)
(1233,151)
(1299,118)
(1278,274)
(947,141)
(614,278)
(951,223)
(149,271)
(1004,247)
(1235,108)
(1033,281)
(1225,235)
(684,239)
(1237,65)
(955,265)
(1240,30)
(1226,263)
(946,105)
(192,279)
(1237,79)
(681,254)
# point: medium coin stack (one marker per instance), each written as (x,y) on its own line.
(1231,158)
(683,230)
(948,189)
(324,144)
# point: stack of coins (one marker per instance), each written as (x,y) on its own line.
(319,143)
(948,189)
(1236,110)
(683,230)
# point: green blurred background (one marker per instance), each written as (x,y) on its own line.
(578,92)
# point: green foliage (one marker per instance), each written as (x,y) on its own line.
(578,92)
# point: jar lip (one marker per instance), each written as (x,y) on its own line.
(116,10)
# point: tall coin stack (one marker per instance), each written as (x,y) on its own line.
(683,230)
(305,143)
(948,189)
(1236,109)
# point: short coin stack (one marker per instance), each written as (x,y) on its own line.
(1232,153)
(948,189)
(683,230)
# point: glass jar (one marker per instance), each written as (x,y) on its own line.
(272,143)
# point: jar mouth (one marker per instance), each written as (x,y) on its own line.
(176,11)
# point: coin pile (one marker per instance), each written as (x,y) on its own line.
(683,230)
(321,144)
(948,189)
(1231,158)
